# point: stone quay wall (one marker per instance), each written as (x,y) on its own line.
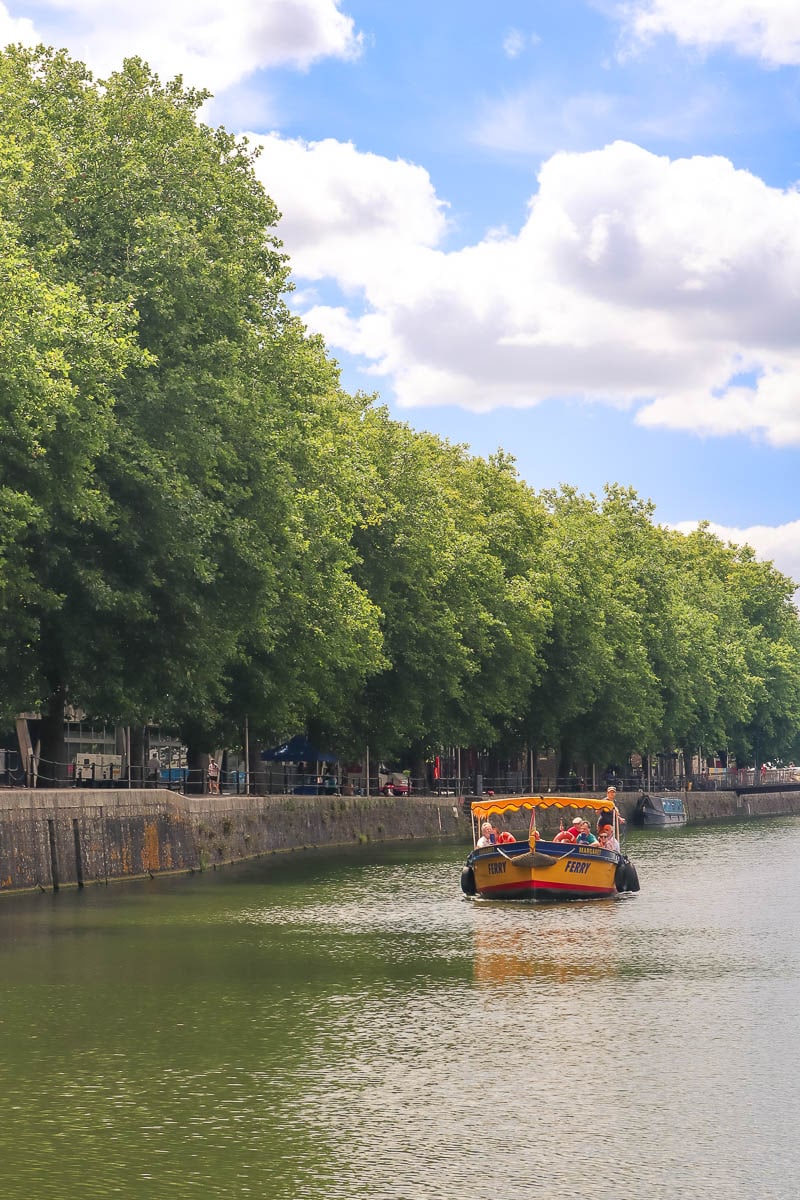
(53,838)
(716,806)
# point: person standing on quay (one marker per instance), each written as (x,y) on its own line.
(213,776)
(153,770)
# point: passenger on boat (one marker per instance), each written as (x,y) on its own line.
(488,835)
(585,836)
(607,839)
(606,816)
(505,836)
(569,834)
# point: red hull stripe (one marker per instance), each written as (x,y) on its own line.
(576,889)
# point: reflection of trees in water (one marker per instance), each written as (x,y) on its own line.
(559,955)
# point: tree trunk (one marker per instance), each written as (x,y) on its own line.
(257,769)
(419,773)
(53,766)
(137,749)
(564,765)
(197,763)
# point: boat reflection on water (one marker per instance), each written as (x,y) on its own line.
(554,955)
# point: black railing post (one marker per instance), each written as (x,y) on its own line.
(76,835)
(51,837)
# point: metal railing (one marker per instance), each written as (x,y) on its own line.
(111,772)
(11,773)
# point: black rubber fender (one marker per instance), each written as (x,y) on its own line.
(626,878)
(468,882)
(633,878)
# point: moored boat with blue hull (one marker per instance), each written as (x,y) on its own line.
(658,812)
(544,870)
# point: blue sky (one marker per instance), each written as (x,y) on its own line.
(568,229)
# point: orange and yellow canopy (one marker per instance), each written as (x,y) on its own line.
(496,806)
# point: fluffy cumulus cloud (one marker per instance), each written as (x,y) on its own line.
(778,544)
(764,29)
(213,43)
(343,210)
(16,29)
(636,280)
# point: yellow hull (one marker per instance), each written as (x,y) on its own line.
(554,871)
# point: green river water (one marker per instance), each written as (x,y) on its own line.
(335,1025)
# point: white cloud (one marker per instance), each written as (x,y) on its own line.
(513,43)
(534,121)
(213,43)
(16,29)
(764,29)
(779,544)
(537,120)
(666,285)
(345,211)
(516,42)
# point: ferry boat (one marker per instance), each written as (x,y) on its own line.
(537,869)
(657,812)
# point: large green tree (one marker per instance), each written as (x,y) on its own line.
(448,556)
(598,694)
(195,521)
(61,356)
(705,678)
(766,640)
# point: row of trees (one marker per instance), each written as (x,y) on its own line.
(199,526)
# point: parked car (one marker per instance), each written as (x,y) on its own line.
(395,789)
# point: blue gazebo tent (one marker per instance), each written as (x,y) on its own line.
(297,749)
